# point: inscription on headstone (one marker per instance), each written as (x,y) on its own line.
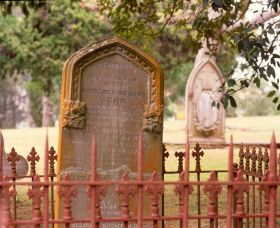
(114,90)
(205,123)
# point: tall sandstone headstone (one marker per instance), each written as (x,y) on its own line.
(205,124)
(114,90)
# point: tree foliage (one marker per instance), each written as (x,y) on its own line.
(45,38)
(40,43)
(210,22)
(6,7)
(38,40)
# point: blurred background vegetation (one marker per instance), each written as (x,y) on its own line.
(37,37)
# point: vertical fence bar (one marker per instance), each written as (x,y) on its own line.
(6,220)
(259,174)
(198,199)
(212,189)
(1,156)
(230,187)
(46,183)
(272,206)
(186,187)
(140,178)
(156,191)
(240,190)
(164,150)
(15,201)
(52,157)
(125,192)
(13,158)
(35,193)
(254,157)
(234,200)
(266,169)
(93,187)
(197,153)
(67,192)
(1,171)
(247,172)
(217,203)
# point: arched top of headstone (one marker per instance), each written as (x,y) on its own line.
(205,69)
(109,46)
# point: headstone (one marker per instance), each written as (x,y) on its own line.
(115,90)
(205,123)
(21,166)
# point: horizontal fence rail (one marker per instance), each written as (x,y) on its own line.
(250,191)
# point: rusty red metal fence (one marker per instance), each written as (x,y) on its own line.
(250,189)
(253,162)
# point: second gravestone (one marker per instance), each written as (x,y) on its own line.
(114,90)
(205,123)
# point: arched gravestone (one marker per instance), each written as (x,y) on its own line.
(20,161)
(115,90)
(205,124)
(21,166)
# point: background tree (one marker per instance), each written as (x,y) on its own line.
(39,37)
(40,43)
(213,23)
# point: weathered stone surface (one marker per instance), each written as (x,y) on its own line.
(114,90)
(205,124)
(206,114)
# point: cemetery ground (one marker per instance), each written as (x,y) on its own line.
(244,129)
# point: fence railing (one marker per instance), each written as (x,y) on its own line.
(251,192)
(253,161)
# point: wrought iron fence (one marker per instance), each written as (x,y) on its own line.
(253,162)
(251,191)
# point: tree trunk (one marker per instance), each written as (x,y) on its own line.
(45,111)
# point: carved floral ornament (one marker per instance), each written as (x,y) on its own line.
(153,119)
(74,114)
(74,111)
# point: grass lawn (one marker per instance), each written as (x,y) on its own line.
(244,129)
